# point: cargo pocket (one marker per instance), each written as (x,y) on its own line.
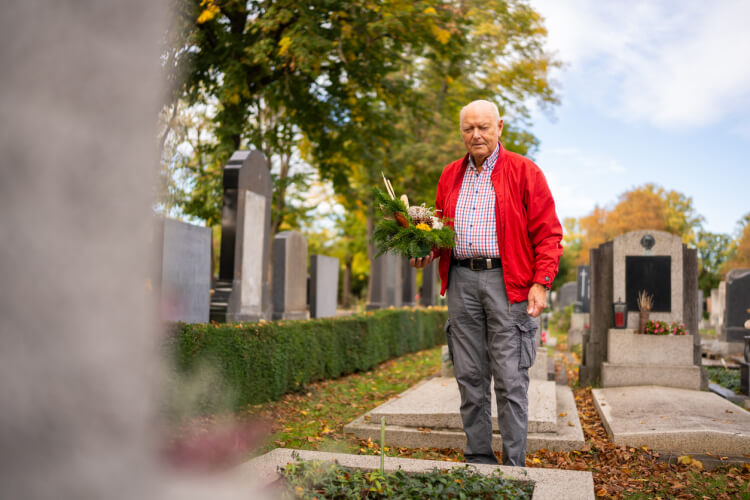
(448,339)
(527,333)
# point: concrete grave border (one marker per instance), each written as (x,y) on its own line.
(549,484)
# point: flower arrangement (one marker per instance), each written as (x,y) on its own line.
(411,231)
(543,338)
(663,328)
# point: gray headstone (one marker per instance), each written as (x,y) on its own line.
(324,286)
(185,272)
(79,100)
(250,299)
(409,284)
(583,288)
(430,285)
(289,276)
(715,307)
(737,310)
(386,287)
(566,294)
(652,260)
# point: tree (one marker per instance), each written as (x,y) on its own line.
(645,207)
(363,86)
(713,251)
(740,250)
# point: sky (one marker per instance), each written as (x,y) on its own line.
(651,91)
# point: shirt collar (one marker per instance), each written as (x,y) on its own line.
(489,162)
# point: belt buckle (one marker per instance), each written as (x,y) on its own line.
(471,265)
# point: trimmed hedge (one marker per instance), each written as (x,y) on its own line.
(259,362)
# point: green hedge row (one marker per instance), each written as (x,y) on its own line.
(259,362)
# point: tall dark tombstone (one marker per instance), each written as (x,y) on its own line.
(249,213)
(409,283)
(737,308)
(583,288)
(430,285)
(595,341)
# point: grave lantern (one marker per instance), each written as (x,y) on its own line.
(620,310)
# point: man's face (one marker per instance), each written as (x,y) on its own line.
(480,131)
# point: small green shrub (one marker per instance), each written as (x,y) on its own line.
(258,362)
(316,479)
(560,320)
(725,377)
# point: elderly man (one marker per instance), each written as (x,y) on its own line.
(505,258)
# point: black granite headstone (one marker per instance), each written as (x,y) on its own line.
(652,274)
(737,309)
(583,290)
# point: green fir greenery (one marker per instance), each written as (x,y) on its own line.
(412,241)
(316,479)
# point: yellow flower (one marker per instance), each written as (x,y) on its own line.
(424,227)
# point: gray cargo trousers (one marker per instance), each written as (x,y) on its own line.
(487,336)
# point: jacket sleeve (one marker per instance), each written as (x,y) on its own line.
(545,230)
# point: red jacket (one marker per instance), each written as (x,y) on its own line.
(528,230)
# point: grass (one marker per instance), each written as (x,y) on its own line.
(314,419)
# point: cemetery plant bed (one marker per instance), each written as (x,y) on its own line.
(310,479)
(256,362)
(725,377)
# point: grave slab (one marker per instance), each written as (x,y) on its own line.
(436,402)
(566,436)
(673,420)
(548,483)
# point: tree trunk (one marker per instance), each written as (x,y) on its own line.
(370,248)
(346,292)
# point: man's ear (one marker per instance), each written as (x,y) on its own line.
(500,127)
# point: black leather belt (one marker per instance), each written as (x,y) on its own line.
(479,264)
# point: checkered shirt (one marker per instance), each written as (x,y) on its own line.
(476,232)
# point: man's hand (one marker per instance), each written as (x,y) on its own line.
(537,300)
(422,261)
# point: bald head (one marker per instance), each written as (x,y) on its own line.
(481,106)
(481,127)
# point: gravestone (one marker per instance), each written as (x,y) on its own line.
(386,288)
(583,288)
(409,284)
(79,361)
(185,275)
(737,308)
(246,219)
(430,285)
(721,304)
(655,261)
(324,286)
(289,276)
(567,294)
(717,308)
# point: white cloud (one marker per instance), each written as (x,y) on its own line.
(673,64)
(565,168)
